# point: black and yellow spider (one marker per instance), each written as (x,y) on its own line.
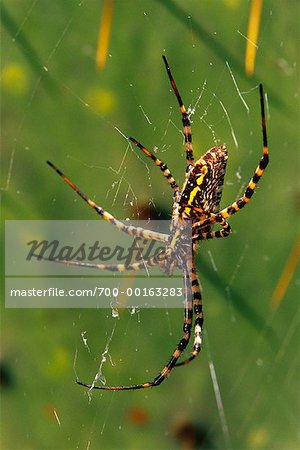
(195,207)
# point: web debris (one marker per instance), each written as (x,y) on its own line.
(99,375)
(229,122)
(56,417)
(84,340)
(237,88)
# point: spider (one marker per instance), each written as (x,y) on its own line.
(195,207)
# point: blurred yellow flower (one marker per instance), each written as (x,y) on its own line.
(232,3)
(14,79)
(101,100)
(60,362)
(258,438)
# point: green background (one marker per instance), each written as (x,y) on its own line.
(68,114)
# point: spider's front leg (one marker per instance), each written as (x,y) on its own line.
(185,120)
(249,191)
(163,167)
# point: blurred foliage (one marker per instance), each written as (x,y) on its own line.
(70,113)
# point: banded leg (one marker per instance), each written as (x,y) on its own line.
(241,202)
(185,120)
(198,235)
(198,325)
(147,263)
(176,354)
(133,231)
(163,167)
(211,235)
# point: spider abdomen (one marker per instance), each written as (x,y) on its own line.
(202,189)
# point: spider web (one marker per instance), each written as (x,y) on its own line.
(226,399)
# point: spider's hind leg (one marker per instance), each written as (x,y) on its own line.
(198,324)
(165,372)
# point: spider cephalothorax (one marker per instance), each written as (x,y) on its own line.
(195,212)
(179,247)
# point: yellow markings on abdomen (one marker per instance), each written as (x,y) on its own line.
(199,181)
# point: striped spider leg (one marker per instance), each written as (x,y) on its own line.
(188,313)
(144,264)
(221,216)
(135,231)
(196,205)
(185,120)
(201,229)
